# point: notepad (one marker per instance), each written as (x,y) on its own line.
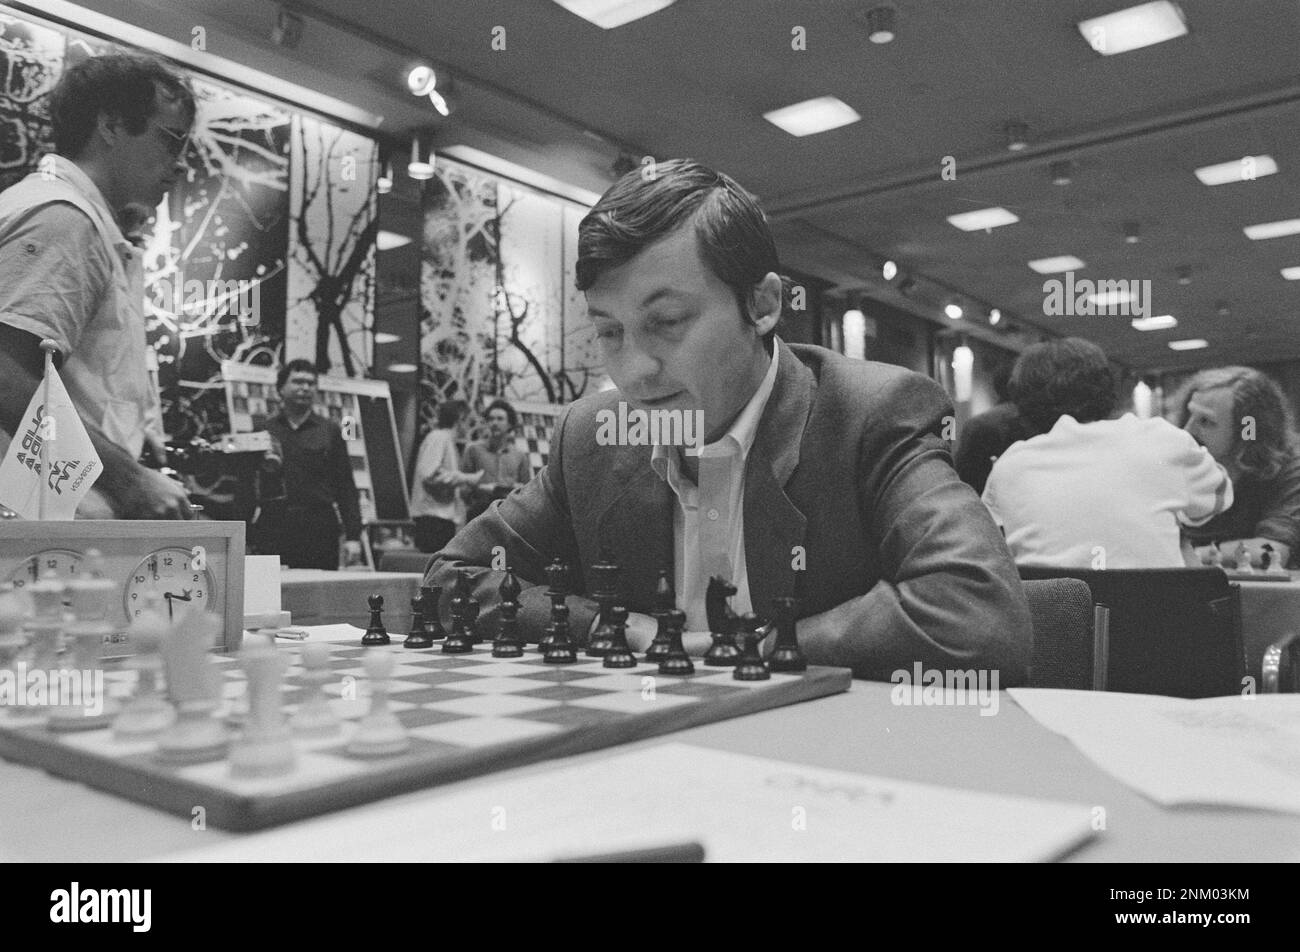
(1241,751)
(740,808)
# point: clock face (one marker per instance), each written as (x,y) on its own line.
(172,575)
(64,563)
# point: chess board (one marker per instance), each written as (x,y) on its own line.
(466,715)
(536,424)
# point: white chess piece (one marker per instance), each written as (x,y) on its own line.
(265,747)
(195,688)
(93,603)
(146,713)
(380,733)
(314,717)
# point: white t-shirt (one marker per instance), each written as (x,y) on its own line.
(1108,494)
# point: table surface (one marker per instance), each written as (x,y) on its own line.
(48,819)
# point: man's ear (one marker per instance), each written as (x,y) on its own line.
(108,128)
(767,297)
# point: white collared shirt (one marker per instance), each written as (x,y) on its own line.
(712,512)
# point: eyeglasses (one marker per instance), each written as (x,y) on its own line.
(175,142)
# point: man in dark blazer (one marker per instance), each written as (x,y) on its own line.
(819,476)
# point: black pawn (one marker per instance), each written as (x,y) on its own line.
(723,653)
(750,667)
(419,636)
(431,596)
(376,633)
(786,655)
(677,661)
(664,602)
(602,639)
(508,644)
(619,654)
(560,650)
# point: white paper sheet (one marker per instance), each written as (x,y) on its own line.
(1239,751)
(740,808)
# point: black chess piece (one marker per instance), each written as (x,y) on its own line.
(604,589)
(677,661)
(664,602)
(723,653)
(460,641)
(432,596)
(508,644)
(619,654)
(750,666)
(376,633)
(786,655)
(560,650)
(419,636)
(1265,556)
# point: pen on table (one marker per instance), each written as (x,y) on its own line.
(671,853)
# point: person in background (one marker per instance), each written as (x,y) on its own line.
(1243,419)
(319,491)
(1092,492)
(502,464)
(69,271)
(987,435)
(436,506)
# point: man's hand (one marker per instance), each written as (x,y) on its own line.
(641,630)
(151,495)
(1255,550)
(351,553)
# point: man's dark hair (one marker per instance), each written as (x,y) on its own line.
(297,365)
(641,208)
(450,412)
(1256,396)
(1070,376)
(118,84)
(500,404)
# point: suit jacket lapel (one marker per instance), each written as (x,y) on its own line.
(637,528)
(773,525)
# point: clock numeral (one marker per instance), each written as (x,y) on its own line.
(199,593)
(196,578)
(167,560)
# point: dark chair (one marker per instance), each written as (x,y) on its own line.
(1069,632)
(1281,667)
(403,560)
(1175,632)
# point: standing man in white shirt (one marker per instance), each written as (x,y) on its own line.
(67,272)
(1091,492)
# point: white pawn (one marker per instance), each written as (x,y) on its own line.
(146,713)
(265,747)
(315,718)
(13,612)
(93,599)
(380,733)
(194,686)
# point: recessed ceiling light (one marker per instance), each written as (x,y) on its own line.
(953,311)
(1194,343)
(983,219)
(417,168)
(995,316)
(401,368)
(1273,229)
(1017,134)
(608,14)
(1060,172)
(889,270)
(1144,25)
(384,337)
(1057,265)
(1108,299)
(1245,169)
(1159,323)
(880,24)
(1185,274)
(1132,232)
(1292,273)
(421,80)
(812,116)
(387,240)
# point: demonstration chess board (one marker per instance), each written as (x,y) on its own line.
(465,714)
(536,425)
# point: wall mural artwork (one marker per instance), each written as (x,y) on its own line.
(333,225)
(499,310)
(264,252)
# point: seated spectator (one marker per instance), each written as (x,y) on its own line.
(1243,419)
(986,436)
(1092,492)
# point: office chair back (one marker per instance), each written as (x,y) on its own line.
(1175,632)
(1066,628)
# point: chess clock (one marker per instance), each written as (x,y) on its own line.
(197,565)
